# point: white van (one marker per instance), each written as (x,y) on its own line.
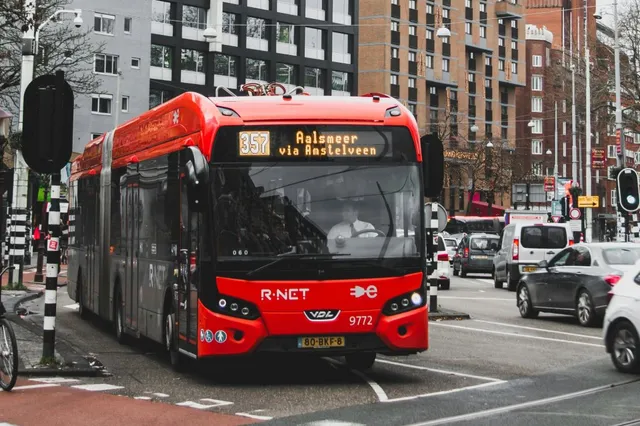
(523,245)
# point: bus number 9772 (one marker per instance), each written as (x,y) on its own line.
(360,320)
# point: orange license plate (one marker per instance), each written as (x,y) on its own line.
(320,342)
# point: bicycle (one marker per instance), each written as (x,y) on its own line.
(8,349)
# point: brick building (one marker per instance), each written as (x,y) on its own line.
(452,84)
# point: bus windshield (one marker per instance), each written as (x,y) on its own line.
(366,211)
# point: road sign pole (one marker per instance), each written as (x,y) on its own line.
(53,266)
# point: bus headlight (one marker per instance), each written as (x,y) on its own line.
(235,307)
(404,303)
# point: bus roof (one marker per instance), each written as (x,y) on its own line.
(193,119)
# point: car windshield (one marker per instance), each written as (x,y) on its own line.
(265,210)
(621,256)
(544,237)
(450,243)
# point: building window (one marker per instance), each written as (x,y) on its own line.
(314,81)
(257,34)
(564,170)
(105,64)
(225,71)
(286,74)
(412,30)
(412,82)
(285,39)
(612,151)
(127,25)
(536,169)
(483,7)
(412,4)
(341,48)
(412,56)
(614,197)
(104,24)
(394,52)
(124,104)
(192,67)
(314,43)
(467,27)
(101,104)
(445,65)
(411,106)
(315,9)
(342,11)
(536,61)
(537,126)
(290,7)
(340,84)
(257,70)
(394,26)
(500,64)
(229,29)
(429,9)
(564,149)
(95,135)
(194,17)
(536,104)
(430,62)
(514,68)
(393,80)
(536,147)
(135,63)
(536,83)
(157,97)
(161,18)
(161,62)
(483,31)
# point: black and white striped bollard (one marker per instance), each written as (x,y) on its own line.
(53,266)
(433,234)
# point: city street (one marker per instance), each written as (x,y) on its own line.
(495,359)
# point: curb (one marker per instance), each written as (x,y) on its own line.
(26,298)
(448,316)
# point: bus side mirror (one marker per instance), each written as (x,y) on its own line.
(197,167)
(432,164)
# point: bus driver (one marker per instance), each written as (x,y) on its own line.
(350,223)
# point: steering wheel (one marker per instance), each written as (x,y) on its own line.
(366,231)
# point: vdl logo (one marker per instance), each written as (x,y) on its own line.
(322,315)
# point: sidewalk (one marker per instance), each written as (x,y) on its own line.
(28,278)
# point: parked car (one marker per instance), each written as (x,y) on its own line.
(451,245)
(622,322)
(523,245)
(443,271)
(475,254)
(576,281)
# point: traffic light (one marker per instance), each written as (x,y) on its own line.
(628,196)
(565,203)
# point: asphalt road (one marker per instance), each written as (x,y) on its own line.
(495,361)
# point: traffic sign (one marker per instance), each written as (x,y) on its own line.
(575,214)
(556,219)
(589,201)
(442,216)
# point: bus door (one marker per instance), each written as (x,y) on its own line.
(132,249)
(188,286)
(91,241)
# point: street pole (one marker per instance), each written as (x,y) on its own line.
(118,100)
(555,151)
(587,168)
(18,212)
(53,266)
(574,154)
(622,159)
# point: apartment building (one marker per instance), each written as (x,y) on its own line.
(123,27)
(454,81)
(294,42)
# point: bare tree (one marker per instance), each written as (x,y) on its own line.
(60,48)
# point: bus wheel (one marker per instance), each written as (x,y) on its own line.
(80,296)
(169,338)
(119,317)
(360,361)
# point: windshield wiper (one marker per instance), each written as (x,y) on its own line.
(385,245)
(284,256)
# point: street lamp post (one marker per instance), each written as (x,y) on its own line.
(622,159)
(574,153)
(555,152)
(587,169)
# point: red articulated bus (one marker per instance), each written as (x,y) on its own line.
(234,225)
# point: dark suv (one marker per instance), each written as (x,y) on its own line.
(475,254)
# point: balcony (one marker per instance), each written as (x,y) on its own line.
(509,9)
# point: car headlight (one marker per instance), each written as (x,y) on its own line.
(404,303)
(235,307)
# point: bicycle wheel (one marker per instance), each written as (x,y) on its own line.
(8,356)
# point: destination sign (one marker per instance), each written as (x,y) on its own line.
(313,143)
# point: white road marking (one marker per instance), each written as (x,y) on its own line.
(212,403)
(332,423)
(477,298)
(425,395)
(42,385)
(484,280)
(377,389)
(585,336)
(254,416)
(513,407)
(98,387)
(158,394)
(145,398)
(504,333)
(435,370)
(54,380)
(6,424)
(74,307)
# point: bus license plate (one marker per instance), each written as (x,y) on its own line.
(320,342)
(529,268)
